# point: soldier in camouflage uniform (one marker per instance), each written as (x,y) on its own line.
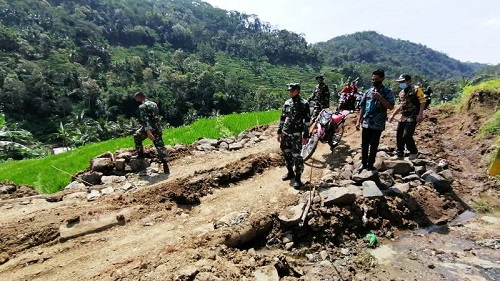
(320,96)
(150,128)
(293,132)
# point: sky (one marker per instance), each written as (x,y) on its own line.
(467,30)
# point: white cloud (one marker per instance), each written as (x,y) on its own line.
(492,22)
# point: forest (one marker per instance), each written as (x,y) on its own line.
(68,69)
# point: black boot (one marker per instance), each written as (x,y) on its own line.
(288,175)
(166,169)
(298,183)
(140,155)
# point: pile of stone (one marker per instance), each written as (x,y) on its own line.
(341,186)
(118,172)
(244,139)
(345,186)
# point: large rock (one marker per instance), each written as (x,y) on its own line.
(209,142)
(7,189)
(380,165)
(365,175)
(386,178)
(93,178)
(187,273)
(411,177)
(400,167)
(420,170)
(93,195)
(266,273)
(124,155)
(327,177)
(236,145)
(441,184)
(447,175)
(292,215)
(401,188)
(120,164)
(231,219)
(74,185)
(344,195)
(107,190)
(370,189)
(4,257)
(228,140)
(224,146)
(138,165)
(346,172)
(76,195)
(127,186)
(113,179)
(104,165)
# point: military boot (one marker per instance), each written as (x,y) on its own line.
(166,169)
(140,155)
(289,175)
(298,183)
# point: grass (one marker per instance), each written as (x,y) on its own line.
(491,86)
(52,173)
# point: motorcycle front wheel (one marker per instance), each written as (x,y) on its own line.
(337,136)
(309,148)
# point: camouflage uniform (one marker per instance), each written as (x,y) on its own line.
(321,98)
(150,120)
(293,126)
(410,100)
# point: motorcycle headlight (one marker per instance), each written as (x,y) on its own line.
(324,118)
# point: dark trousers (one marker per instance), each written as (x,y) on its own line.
(370,139)
(140,135)
(404,137)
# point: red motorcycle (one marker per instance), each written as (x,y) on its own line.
(328,127)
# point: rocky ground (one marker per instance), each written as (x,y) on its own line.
(224,213)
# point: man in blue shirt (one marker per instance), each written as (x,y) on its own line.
(372,117)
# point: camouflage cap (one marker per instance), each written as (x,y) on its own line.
(321,76)
(293,86)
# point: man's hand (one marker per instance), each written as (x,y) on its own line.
(376,96)
(420,118)
(304,141)
(391,118)
(278,138)
(358,124)
(150,135)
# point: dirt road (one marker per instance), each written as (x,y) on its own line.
(175,228)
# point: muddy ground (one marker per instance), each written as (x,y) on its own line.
(218,216)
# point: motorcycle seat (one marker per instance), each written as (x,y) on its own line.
(337,118)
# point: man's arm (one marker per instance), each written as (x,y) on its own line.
(281,124)
(307,121)
(361,111)
(422,100)
(394,112)
(387,103)
(143,118)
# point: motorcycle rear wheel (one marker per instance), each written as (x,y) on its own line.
(309,148)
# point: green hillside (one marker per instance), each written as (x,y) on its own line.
(69,68)
(357,54)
